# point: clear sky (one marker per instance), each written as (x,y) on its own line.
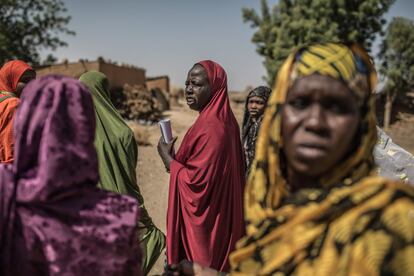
(166,37)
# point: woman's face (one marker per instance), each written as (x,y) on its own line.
(197,88)
(319,122)
(256,106)
(27,76)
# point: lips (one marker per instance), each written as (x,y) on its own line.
(190,101)
(311,151)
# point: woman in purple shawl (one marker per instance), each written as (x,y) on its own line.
(53,218)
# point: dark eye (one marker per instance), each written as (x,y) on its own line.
(299,103)
(338,107)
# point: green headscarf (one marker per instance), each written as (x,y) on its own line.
(117,156)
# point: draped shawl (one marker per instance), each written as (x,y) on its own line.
(117,157)
(205,217)
(10,74)
(356,223)
(53,218)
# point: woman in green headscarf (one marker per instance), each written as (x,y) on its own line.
(117,153)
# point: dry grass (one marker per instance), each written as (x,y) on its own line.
(142,135)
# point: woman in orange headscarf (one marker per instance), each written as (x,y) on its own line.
(14,75)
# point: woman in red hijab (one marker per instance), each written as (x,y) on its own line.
(205,210)
(14,75)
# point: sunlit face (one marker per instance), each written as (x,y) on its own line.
(197,88)
(319,123)
(256,106)
(27,76)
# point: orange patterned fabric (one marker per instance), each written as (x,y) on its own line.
(7,110)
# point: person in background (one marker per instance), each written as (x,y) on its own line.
(54,220)
(252,119)
(205,211)
(313,203)
(117,157)
(14,75)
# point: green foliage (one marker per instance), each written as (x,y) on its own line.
(28,26)
(397,56)
(293,23)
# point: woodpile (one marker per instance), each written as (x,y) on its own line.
(141,104)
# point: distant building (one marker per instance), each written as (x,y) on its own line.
(118,75)
(161,82)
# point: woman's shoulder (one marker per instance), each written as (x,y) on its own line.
(9,103)
(211,125)
(380,183)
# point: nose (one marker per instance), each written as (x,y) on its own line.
(188,90)
(316,120)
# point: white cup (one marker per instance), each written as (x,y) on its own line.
(166,132)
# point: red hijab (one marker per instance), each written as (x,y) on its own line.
(11,73)
(205,208)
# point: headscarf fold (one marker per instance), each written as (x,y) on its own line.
(117,157)
(336,229)
(205,212)
(10,74)
(54,220)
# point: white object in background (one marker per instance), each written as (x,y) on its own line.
(166,132)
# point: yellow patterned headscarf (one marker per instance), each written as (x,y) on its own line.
(351,64)
(350,224)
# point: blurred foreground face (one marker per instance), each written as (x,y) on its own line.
(256,106)
(319,122)
(197,88)
(27,76)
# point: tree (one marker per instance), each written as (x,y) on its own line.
(397,62)
(28,26)
(293,23)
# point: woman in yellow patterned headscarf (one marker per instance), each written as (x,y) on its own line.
(313,205)
(348,221)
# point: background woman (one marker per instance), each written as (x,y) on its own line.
(53,218)
(205,217)
(14,75)
(117,156)
(253,115)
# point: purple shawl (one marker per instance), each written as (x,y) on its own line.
(53,218)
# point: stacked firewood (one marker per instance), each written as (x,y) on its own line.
(140,104)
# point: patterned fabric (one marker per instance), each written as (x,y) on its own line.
(249,141)
(53,218)
(117,157)
(8,107)
(392,160)
(250,127)
(356,223)
(10,74)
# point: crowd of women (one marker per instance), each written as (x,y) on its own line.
(303,189)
